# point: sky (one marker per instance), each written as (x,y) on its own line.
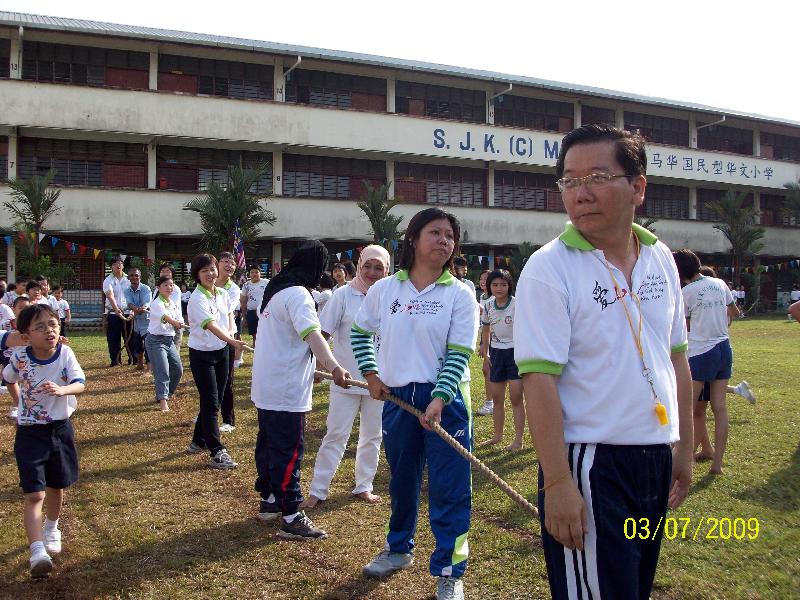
(735,55)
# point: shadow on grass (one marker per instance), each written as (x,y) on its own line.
(135,470)
(354,588)
(781,491)
(127,439)
(116,573)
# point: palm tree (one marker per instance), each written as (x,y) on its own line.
(738,225)
(376,207)
(792,208)
(520,257)
(33,203)
(224,205)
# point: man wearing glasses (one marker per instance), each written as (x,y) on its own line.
(600,341)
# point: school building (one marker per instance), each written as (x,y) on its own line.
(138,121)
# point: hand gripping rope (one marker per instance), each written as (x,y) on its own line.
(511,492)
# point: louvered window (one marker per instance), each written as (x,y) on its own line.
(336,90)
(706,198)
(529,191)
(440,102)
(725,139)
(438,184)
(533,113)
(665,202)
(330,177)
(659,130)
(780,147)
(5,57)
(594,115)
(82,65)
(245,81)
(774,213)
(193,169)
(3,158)
(84,163)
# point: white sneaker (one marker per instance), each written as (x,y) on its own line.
(13,413)
(226,428)
(52,540)
(237,363)
(222,461)
(743,389)
(41,564)
(450,588)
(486,409)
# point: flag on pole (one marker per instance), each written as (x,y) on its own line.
(238,246)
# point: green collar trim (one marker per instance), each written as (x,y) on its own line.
(574,239)
(446,278)
(505,306)
(206,293)
(163,298)
(228,284)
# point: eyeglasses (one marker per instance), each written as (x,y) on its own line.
(45,328)
(573,183)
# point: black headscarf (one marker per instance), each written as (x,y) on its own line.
(304,269)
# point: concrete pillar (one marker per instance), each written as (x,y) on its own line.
(11,263)
(692,131)
(13,147)
(152,153)
(391,94)
(757,204)
(756,142)
(490,186)
(576,112)
(277,257)
(151,255)
(15,59)
(692,203)
(490,109)
(279,81)
(153,81)
(277,173)
(619,117)
(492,266)
(390,177)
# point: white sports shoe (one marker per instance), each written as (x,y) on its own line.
(41,564)
(52,540)
(226,428)
(743,389)
(486,409)
(13,413)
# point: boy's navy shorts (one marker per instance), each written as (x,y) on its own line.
(46,456)
(503,367)
(715,364)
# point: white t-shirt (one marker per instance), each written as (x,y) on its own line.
(417,327)
(185,296)
(234,297)
(9,297)
(162,307)
(204,308)
(36,407)
(254,293)
(500,322)
(705,303)
(321,298)
(569,322)
(794,296)
(283,364)
(6,316)
(63,307)
(337,320)
(118,287)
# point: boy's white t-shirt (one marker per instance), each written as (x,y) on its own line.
(500,322)
(417,327)
(321,298)
(185,296)
(63,307)
(705,303)
(794,296)
(254,293)
(204,308)
(162,307)
(35,406)
(6,316)
(337,320)
(283,364)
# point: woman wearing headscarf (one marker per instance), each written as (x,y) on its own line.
(288,347)
(345,404)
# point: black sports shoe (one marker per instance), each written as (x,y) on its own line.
(268,511)
(301,528)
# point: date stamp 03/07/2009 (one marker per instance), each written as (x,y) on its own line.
(688,528)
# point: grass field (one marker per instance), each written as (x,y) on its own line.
(148,521)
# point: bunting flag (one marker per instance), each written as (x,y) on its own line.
(53,240)
(42,236)
(96,253)
(349,253)
(82,249)
(21,236)
(338,256)
(33,235)
(7,239)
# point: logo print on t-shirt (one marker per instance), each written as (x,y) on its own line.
(600,295)
(395,306)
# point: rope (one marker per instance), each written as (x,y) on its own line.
(478,463)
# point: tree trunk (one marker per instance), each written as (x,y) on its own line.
(36,230)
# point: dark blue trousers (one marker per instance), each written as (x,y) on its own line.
(279,455)
(617,483)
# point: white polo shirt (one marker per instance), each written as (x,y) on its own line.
(794,295)
(234,297)
(118,287)
(204,308)
(283,364)
(705,303)
(570,323)
(254,293)
(163,307)
(500,322)
(417,327)
(336,320)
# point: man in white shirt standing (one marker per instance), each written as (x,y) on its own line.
(600,342)
(114,287)
(252,293)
